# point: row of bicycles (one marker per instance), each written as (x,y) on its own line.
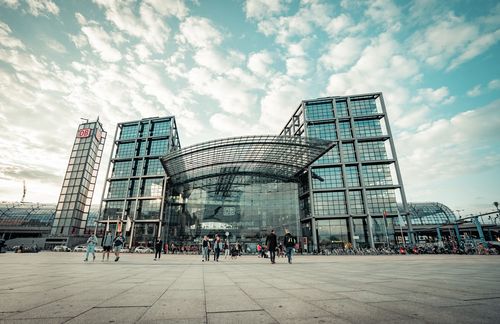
(466,249)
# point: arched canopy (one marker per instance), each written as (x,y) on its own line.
(249,158)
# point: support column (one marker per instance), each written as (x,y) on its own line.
(314,235)
(457,234)
(438,230)
(351,233)
(479,229)
(370,231)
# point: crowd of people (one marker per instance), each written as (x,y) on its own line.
(217,246)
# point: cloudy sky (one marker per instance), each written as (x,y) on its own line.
(235,67)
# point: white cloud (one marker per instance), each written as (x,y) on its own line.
(260,63)
(6,40)
(494,84)
(142,52)
(297,66)
(175,8)
(213,60)
(259,9)
(475,91)
(451,42)
(342,54)
(381,67)
(339,24)
(80,18)
(433,96)
(475,48)
(233,96)
(55,45)
(383,11)
(287,28)
(148,26)
(283,95)
(10,3)
(446,149)
(199,32)
(229,125)
(40,7)
(100,41)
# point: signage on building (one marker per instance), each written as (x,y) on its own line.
(84,132)
(98,135)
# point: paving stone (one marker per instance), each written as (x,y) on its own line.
(358,312)
(290,308)
(54,288)
(58,320)
(249,317)
(176,309)
(110,315)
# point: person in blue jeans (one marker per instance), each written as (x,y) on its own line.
(91,243)
(117,245)
(289,243)
(204,249)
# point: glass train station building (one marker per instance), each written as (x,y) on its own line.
(331,177)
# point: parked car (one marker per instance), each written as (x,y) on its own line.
(99,249)
(80,248)
(125,250)
(142,249)
(61,248)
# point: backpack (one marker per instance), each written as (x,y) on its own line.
(290,240)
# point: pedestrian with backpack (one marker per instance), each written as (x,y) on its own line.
(118,244)
(289,243)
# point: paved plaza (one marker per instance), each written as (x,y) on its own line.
(60,288)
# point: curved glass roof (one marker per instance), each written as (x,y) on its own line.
(35,214)
(248,159)
(429,213)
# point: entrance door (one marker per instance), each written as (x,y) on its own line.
(332,234)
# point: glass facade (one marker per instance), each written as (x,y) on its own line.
(241,186)
(74,203)
(247,213)
(34,220)
(134,197)
(357,180)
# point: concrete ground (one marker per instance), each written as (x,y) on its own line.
(60,288)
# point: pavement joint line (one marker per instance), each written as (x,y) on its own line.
(484,298)
(133,306)
(238,311)
(159,297)
(204,289)
(117,280)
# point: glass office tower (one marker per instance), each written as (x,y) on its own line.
(78,187)
(134,196)
(349,196)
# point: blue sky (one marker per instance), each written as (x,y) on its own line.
(234,67)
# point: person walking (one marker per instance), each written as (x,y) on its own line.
(289,243)
(158,248)
(259,250)
(91,243)
(272,243)
(217,247)
(118,244)
(107,242)
(227,251)
(204,248)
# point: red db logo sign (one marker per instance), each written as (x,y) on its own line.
(85,132)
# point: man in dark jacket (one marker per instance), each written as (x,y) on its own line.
(272,243)
(289,243)
(158,248)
